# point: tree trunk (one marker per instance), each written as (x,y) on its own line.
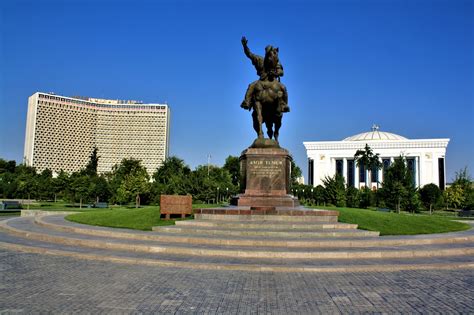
(80,203)
(137,201)
(430,209)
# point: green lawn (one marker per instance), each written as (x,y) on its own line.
(388,223)
(130,218)
(11,213)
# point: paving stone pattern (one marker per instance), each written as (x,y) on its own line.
(34,283)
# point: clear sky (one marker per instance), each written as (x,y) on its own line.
(407,66)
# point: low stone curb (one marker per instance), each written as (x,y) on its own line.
(235,253)
(34,213)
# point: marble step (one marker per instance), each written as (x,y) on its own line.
(256,217)
(267,225)
(26,228)
(280,233)
(58,222)
(28,245)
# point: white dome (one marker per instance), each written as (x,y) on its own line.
(375,134)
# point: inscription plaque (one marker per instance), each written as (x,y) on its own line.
(265,174)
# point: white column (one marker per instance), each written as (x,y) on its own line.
(344,169)
(356,176)
(417,171)
(332,172)
(379,174)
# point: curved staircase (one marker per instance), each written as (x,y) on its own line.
(243,242)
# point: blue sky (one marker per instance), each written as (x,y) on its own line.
(407,66)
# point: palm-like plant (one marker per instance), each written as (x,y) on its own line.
(367,159)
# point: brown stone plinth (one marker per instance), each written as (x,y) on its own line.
(265,178)
(267,201)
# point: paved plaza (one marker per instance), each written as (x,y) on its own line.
(34,283)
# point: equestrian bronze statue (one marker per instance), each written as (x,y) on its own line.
(267,96)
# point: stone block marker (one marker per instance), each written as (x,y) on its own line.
(174,204)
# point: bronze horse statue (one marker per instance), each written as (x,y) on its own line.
(267,96)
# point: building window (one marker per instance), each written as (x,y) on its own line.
(411,165)
(441,173)
(339,167)
(374,175)
(386,164)
(362,173)
(350,173)
(310,172)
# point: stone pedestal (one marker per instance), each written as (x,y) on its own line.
(265,176)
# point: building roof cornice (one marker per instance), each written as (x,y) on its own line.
(377,144)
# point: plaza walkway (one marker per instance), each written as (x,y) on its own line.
(48,264)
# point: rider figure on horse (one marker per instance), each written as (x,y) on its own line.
(267,75)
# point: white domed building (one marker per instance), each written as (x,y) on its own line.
(425,158)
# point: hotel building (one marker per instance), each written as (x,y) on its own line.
(425,158)
(61,132)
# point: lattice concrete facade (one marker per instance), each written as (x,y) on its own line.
(61,132)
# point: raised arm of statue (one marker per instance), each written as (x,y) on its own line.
(247,51)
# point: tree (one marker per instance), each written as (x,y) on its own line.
(232,165)
(335,192)
(217,186)
(91,167)
(430,194)
(100,188)
(7,178)
(463,182)
(394,184)
(45,185)
(129,180)
(60,184)
(79,188)
(318,194)
(25,182)
(352,197)
(7,166)
(295,173)
(173,177)
(368,160)
(454,196)
(133,186)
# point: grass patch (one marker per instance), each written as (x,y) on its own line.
(9,214)
(137,219)
(130,218)
(388,223)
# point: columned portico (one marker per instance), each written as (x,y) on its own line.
(425,158)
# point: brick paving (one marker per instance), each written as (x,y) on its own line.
(34,283)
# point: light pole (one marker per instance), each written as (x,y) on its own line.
(217,194)
(227,193)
